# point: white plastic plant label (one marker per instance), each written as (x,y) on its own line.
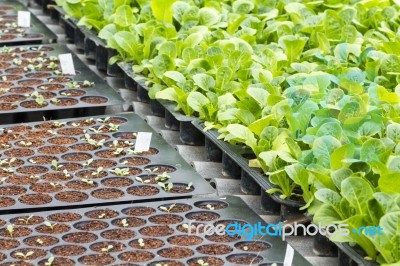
(24,19)
(288,256)
(143,140)
(67,64)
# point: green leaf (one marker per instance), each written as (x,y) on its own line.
(389,183)
(357,191)
(204,81)
(243,133)
(323,147)
(161,64)
(293,46)
(124,16)
(197,100)
(162,9)
(259,95)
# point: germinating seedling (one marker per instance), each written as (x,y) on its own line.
(89,182)
(40,241)
(66,173)
(2,180)
(101,216)
(167,187)
(25,256)
(169,209)
(49,261)
(202,263)
(118,151)
(141,180)
(25,143)
(50,225)
(98,171)
(55,164)
(10,229)
(107,249)
(163,177)
(26,221)
(120,171)
(124,223)
(245,248)
(87,164)
(189,186)
(141,242)
(210,207)
(103,120)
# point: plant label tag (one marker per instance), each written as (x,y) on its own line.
(24,19)
(67,64)
(288,256)
(143,140)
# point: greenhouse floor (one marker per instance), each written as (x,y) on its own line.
(194,155)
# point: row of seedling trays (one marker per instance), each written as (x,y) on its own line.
(75,163)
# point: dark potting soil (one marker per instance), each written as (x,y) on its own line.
(143,191)
(81,185)
(102,214)
(185,240)
(98,259)
(246,259)
(35,199)
(202,216)
(214,249)
(116,246)
(41,241)
(71,196)
(166,219)
(139,211)
(147,243)
(91,225)
(54,229)
(117,182)
(68,250)
(27,220)
(210,260)
(118,234)
(176,253)
(176,208)
(80,237)
(129,222)
(254,246)
(63,217)
(156,231)
(137,256)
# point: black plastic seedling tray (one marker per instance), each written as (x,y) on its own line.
(36,34)
(21,80)
(112,235)
(32,180)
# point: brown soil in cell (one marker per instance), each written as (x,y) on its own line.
(19,153)
(156,231)
(35,199)
(108,193)
(71,131)
(68,250)
(109,154)
(166,219)
(64,102)
(175,208)
(56,177)
(98,137)
(118,144)
(134,161)
(84,147)
(73,93)
(159,169)
(138,211)
(30,82)
(38,134)
(4,64)
(168,262)
(58,261)
(62,140)
(15,70)
(103,163)
(33,104)
(12,190)
(102,214)
(116,246)
(215,249)
(118,234)
(77,157)
(91,174)
(115,120)
(37,253)
(185,240)
(50,87)
(129,222)
(38,75)
(7,37)
(6,202)
(8,137)
(202,216)
(53,149)
(21,90)
(63,217)
(41,241)
(80,237)
(125,135)
(254,246)
(151,151)
(108,129)
(49,125)
(82,123)
(32,143)
(18,231)
(91,225)
(81,185)
(21,180)
(181,188)
(117,182)
(2,256)
(44,187)
(94,99)
(2,222)
(27,220)
(136,256)
(12,98)
(13,162)
(210,260)
(19,128)
(6,57)
(6,85)
(222,238)
(148,179)
(211,205)
(8,106)
(143,191)
(71,196)
(7,244)
(148,243)
(176,253)
(98,259)
(47,94)
(70,167)
(244,259)
(60,79)
(13,77)
(32,170)
(54,229)
(33,55)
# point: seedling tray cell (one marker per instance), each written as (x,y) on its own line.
(89,161)
(139,234)
(28,73)
(10,34)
